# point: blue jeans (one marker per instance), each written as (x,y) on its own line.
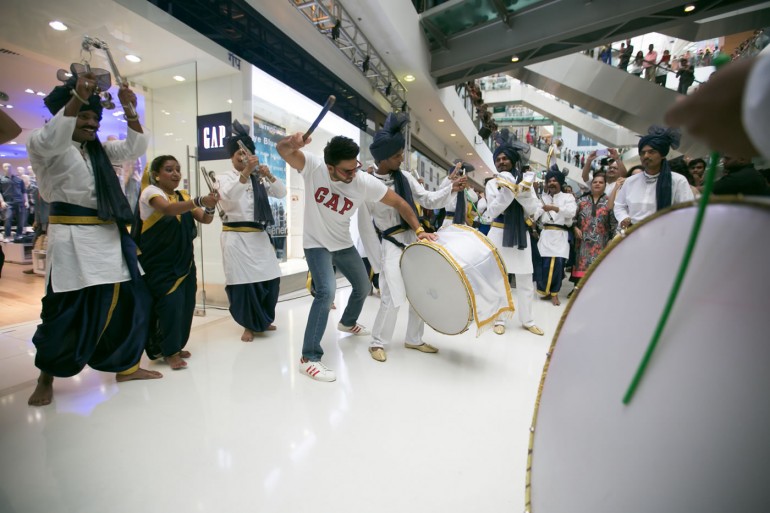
(320,263)
(16,212)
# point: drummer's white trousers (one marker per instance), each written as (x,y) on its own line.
(525,296)
(387,315)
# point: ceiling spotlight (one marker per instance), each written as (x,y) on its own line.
(440,120)
(133,58)
(689,8)
(409,78)
(514,59)
(179,78)
(452,135)
(230,101)
(13,142)
(469,154)
(57,25)
(30,91)
(9,106)
(40,93)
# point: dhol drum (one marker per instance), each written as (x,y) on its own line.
(694,437)
(458,279)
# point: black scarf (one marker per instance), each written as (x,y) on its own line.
(459,217)
(515,227)
(111,203)
(663,189)
(262,211)
(401,185)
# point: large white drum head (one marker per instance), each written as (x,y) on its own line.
(696,436)
(435,289)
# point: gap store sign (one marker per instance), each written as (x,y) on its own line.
(212,131)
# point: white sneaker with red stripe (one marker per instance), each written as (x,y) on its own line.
(355,330)
(316,370)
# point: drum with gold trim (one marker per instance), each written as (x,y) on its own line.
(456,280)
(694,437)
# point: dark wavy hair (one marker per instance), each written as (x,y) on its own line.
(340,148)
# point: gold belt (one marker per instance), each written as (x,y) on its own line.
(242,229)
(78,220)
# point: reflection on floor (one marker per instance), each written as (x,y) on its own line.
(241,430)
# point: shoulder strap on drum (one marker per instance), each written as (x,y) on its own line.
(387,234)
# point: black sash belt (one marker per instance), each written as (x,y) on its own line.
(387,234)
(555,227)
(243,226)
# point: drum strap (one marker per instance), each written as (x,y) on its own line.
(393,230)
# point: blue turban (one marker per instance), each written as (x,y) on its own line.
(555,173)
(660,139)
(61,94)
(390,138)
(239,133)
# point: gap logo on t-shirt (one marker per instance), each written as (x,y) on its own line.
(332,201)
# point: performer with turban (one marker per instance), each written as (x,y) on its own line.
(458,205)
(557,213)
(657,187)
(394,234)
(96,307)
(252,273)
(335,190)
(510,200)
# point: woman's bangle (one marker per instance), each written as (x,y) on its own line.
(80,98)
(198,202)
(129,118)
(419,230)
(209,211)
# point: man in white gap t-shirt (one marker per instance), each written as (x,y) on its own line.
(334,190)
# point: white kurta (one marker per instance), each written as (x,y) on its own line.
(637,198)
(517,261)
(80,255)
(248,257)
(555,243)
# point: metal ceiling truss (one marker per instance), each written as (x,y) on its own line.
(238,27)
(330,19)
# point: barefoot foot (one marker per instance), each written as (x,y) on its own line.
(138,374)
(271,327)
(185,354)
(247,336)
(555,300)
(43,393)
(175,362)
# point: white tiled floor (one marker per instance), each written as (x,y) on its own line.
(242,431)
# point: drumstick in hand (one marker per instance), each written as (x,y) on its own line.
(328,105)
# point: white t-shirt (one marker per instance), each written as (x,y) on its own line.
(330,205)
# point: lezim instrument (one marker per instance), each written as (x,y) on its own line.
(213,185)
(694,437)
(93,42)
(458,279)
